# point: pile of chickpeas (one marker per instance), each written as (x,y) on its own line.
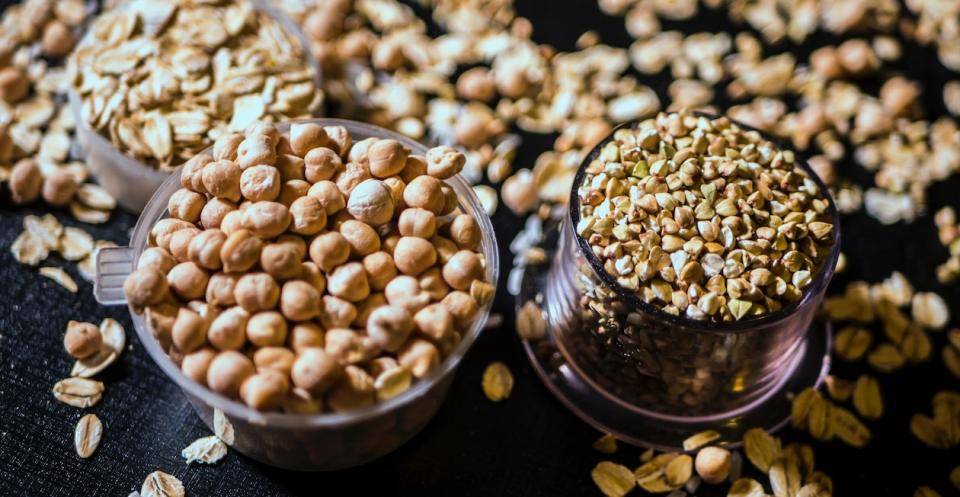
(306,273)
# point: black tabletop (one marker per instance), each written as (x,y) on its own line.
(527,445)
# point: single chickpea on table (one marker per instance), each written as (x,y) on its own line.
(305,272)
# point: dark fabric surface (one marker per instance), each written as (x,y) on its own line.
(527,445)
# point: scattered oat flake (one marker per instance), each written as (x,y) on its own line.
(746,487)
(87,435)
(929,310)
(867,399)
(75,244)
(530,322)
(700,439)
(606,444)
(222,427)
(761,448)
(29,249)
(614,480)
(160,484)
(497,381)
(87,215)
(207,450)
(61,277)
(78,392)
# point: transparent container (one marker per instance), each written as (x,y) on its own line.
(305,442)
(611,356)
(129,180)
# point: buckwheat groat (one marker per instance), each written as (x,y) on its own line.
(297,271)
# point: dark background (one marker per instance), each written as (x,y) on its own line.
(527,445)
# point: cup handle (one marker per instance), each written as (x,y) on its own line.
(113,264)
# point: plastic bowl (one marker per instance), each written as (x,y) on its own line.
(304,442)
(130,181)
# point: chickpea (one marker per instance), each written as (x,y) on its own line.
(266,219)
(382,364)
(267,329)
(214,211)
(222,179)
(349,346)
(462,269)
(434,321)
(291,167)
(191,174)
(462,307)
(445,248)
(260,182)
(386,158)
(349,282)
(14,84)
(371,202)
(414,255)
(299,401)
(279,359)
(57,40)
(189,331)
(233,221)
(156,258)
(415,167)
(186,205)
(419,356)
(405,291)
(26,181)
(227,372)
(228,329)
(265,390)
(396,186)
(450,200)
(220,289)
(196,364)
(315,371)
(329,196)
(380,269)
(179,244)
(465,232)
(328,250)
(358,153)
(282,261)
(353,390)
(226,146)
(417,222)
(425,192)
(304,335)
(146,286)
(160,319)
(476,84)
(389,244)
(240,251)
(321,164)
(205,248)
(299,301)
(59,187)
(305,137)
(444,162)
(336,312)
(310,273)
(713,464)
(308,216)
(519,192)
(82,340)
(291,190)
(352,175)
(264,128)
(257,292)
(340,140)
(363,240)
(389,326)
(164,230)
(256,149)
(431,282)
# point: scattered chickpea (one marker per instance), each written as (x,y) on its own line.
(179,244)
(292,190)
(352,175)
(321,164)
(225,148)
(227,372)
(713,464)
(371,202)
(519,192)
(386,158)
(82,340)
(266,219)
(255,149)
(188,280)
(59,187)
(25,181)
(431,281)
(214,211)
(308,216)
(260,182)
(336,312)
(444,162)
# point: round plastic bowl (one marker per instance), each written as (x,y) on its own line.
(305,442)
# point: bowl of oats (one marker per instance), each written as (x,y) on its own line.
(153,83)
(686,279)
(310,286)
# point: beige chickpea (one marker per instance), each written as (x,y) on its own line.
(156,258)
(59,187)
(25,182)
(380,269)
(308,216)
(389,243)
(196,364)
(240,251)
(389,326)
(418,222)
(263,128)
(419,356)
(257,292)
(291,167)
(312,274)
(14,84)
(191,174)
(205,248)
(363,240)
(188,280)
(226,146)
(214,211)
(165,228)
(282,261)
(299,301)
(340,140)
(291,190)
(265,390)
(279,359)
(336,312)
(357,44)
(382,364)
(431,282)
(396,186)
(519,192)
(413,255)
(358,152)
(321,164)
(266,219)
(462,269)
(462,307)
(348,346)
(227,372)
(349,282)
(186,205)
(857,57)
(228,329)
(315,371)
(415,166)
(160,319)
(450,199)
(405,291)
(233,221)
(220,289)
(386,158)
(371,202)
(445,248)
(267,329)
(57,39)
(189,330)
(222,179)
(296,242)
(254,150)
(434,321)
(476,84)
(354,390)
(304,335)
(305,137)
(179,244)
(425,192)
(444,162)
(713,464)
(82,340)
(465,232)
(260,182)
(329,196)
(299,401)
(352,175)
(145,286)
(328,250)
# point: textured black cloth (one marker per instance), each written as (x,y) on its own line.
(528,445)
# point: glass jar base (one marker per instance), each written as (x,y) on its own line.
(771,411)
